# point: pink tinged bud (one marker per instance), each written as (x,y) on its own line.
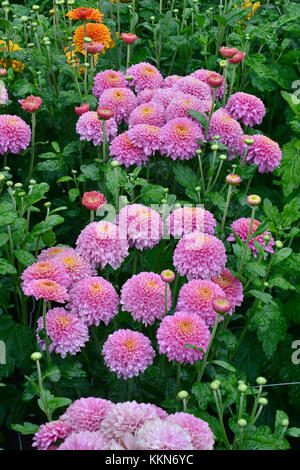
(93,200)
(221,305)
(167,275)
(253,200)
(94,47)
(214,80)
(2,72)
(228,51)
(105,113)
(237,58)
(83,108)
(31,103)
(129,38)
(233,179)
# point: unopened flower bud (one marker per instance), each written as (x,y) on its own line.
(115,163)
(105,113)
(249,141)
(278,244)
(198,188)
(183,395)
(261,381)
(223,157)
(233,179)
(223,63)
(284,422)
(266,237)
(262,401)
(36,356)
(47,204)
(129,78)
(221,305)
(167,275)
(87,39)
(242,423)
(24,19)
(9,183)
(35,7)
(237,58)
(18,185)
(228,51)
(2,177)
(214,147)
(215,384)
(253,200)
(242,388)
(32,181)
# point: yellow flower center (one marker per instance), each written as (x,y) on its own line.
(148,70)
(70,262)
(147,110)
(185,327)
(181,130)
(130,344)
(63,321)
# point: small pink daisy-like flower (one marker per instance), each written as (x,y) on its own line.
(148,113)
(128,417)
(83,108)
(45,289)
(145,137)
(86,414)
(190,219)
(143,295)
(49,433)
(144,76)
(94,47)
(15,134)
(93,299)
(51,253)
(90,127)
(126,152)
(203,75)
(31,103)
(179,106)
(162,435)
(232,287)
(142,224)
(164,96)
(121,100)
(104,243)
(93,200)
(264,152)
(105,113)
(196,297)
(179,138)
(170,81)
(146,95)
(193,86)
(237,58)
(253,200)
(127,353)
(241,228)
(85,440)
(175,331)
(248,108)
(227,128)
(221,305)
(199,256)
(108,79)
(3,93)
(167,276)
(228,51)
(51,269)
(68,334)
(233,179)
(129,38)
(76,266)
(199,431)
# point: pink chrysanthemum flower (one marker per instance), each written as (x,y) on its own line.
(94,299)
(75,265)
(121,100)
(68,334)
(51,253)
(203,74)
(3,93)
(142,224)
(176,331)
(162,435)
(86,414)
(199,431)
(85,440)
(144,75)
(46,290)
(241,228)
(232,287)
(148,113)
(227,128)
(164,96)
(15,134)
(193,86)
(90,127)
(108,79)
(93,200)
(127,442)
(145,137)
(31,104)
(248,108)
(126,152)
(170,81)
(199,256)
(127,353)
(264,152)
(178,138)
(146,95)
(49,433)
(128,417)
(51,269)
(103,243)
(143,295)
(179,106)
(196,297)
(190,219)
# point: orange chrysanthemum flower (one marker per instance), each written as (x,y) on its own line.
(97,32)
(85,14)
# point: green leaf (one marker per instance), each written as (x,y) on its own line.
(4,237)
(37,193)
(293,432)
(263,296)
(56,146)
(202,118)
(279,281)
(262,439)
(24,257)
(224,364)
(73,194)
(282,255)
(291,212)
(152,194)
(64,179)
(6,267)
(48,155)
(272,326)
(280,416)
(256,268)
(185,176)
(26,428)
(289,169)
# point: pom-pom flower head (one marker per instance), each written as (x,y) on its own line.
(85,440)
(264,152)
(162,435)
(129,38)
(148,113)
(49,433)
(146,95)
(51,269)
(128,353)
(31,103)
(179,106)
(241,228)
(126,152)
(46,290)
(193,86)
(86,414)
(248,108)
(97,32)
(179,138)
(121,100)
(93,200)
(104,243)
(232,287)
(145,137)
(67,332)
(164,96)
(108,79)
(228,51)
(203,75)
(85,14)
(197,296)
(142,224)
(15,134)
(51,253)
(90,127)
(143,295)
(178,330)
(199,256)
(144,75)
(190,219)
(93,299)
(75,265)
(199,431)
(170,80)
(227,128)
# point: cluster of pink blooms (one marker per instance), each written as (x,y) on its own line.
(98,424)
(15,134)
(241,228)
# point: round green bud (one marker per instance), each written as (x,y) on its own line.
(176,11)
(87,40)
(217,137)
(152,18)
(30,45)
(47,204)
(47,43)
(223,63)
(249,141)
(34,24)
(242,423)
(5,3)
(266,285)
(45,39)
(198,152)
(74,172)
(242,388)
(267,237)
(115,163)
(24,19)
(223,157)
(166,190)
(278,244)
(9,183)
(284,422)
(86,65)
(198,188)
(163,201)
(261,381)
(129,78)
(36,356)
(215,384)
(262,401)
(21,194)
(183,395)
(18,185)
(70,2)
(2,177)
(214,147)
(35,7)
(32,181)
(6,168)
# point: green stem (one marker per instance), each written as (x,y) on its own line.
(47,343)
(204,360)
(42,390)
(211,111)
(220,416)
(104,141)
(178,377)
(247,241)
(33,125)
(226,209)
(232,80)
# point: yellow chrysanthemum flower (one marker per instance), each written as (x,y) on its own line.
(16,65)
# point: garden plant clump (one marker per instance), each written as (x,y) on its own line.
(149,225)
